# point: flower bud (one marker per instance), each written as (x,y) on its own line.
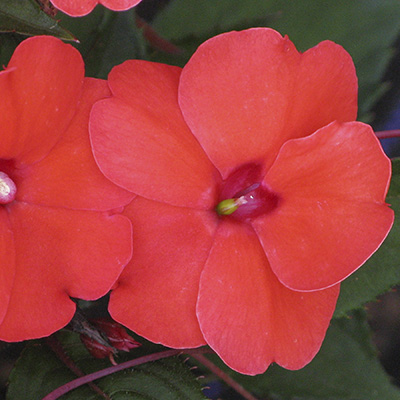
(116,336)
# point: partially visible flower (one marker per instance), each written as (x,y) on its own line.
(116,335)
(60,237)
(79,8)
(257,195)
(97,349)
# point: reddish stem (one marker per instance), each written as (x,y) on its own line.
(56,346)
(155,39)
(388,134)
(224,376)
(55,394)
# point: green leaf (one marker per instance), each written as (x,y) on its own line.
(382,270)
(118,41)
(204,18)
(38,372)
(394,190)
(346,368)
(26,17)
(106,39)
(8,43)
(365,28)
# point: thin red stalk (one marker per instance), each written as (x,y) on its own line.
(388,134)
(224,376)
(55,394)
(155,39)
(56,346)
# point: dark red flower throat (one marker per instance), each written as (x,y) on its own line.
(244,196)
(8,189)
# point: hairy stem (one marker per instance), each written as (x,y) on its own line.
(57,348)
(55,394)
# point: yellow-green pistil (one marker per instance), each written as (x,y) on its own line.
(229,206)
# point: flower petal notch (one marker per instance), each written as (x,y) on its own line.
(79,8)
(288,197)
(60,235)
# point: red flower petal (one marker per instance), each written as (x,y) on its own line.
(7,261)
(333,215)
(75,8)
(39,97)
(248,317)
(68,176)
(119,5)
(158,157)
(243,94)
(79,8)
(60,253)
(157,292)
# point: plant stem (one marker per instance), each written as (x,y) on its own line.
(56,346)
(388,134)
(55,394)
(223,376)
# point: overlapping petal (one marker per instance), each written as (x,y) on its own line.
(38,102)
(243,94)
(52,249)
(79,8)
(158,157)
(261,288)
(247,316)
(333,214)
(75,181)
(58,256)
(157,292)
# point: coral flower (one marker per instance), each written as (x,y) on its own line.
(79,8)
(59,237)
(257,193)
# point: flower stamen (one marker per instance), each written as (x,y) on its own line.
(229,206)
(8,190)
(244,196)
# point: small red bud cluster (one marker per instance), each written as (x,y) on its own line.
(116,336)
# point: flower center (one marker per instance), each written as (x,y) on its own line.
(244,196)
(8,190)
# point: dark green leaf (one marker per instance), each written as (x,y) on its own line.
(382,270)
(394,190)
(366,28)
(204,18)
(106,39)
(8,43)
(39,371)
(346,368)
(118,41)
(26,17)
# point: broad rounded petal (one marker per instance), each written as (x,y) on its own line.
(332,216)
(7,262)
(75,8)
(248,317)
(68,176)
(157,292)
(40,91)
(79,8)
(141,142)
(61,253)
(243,94)
(119,5)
